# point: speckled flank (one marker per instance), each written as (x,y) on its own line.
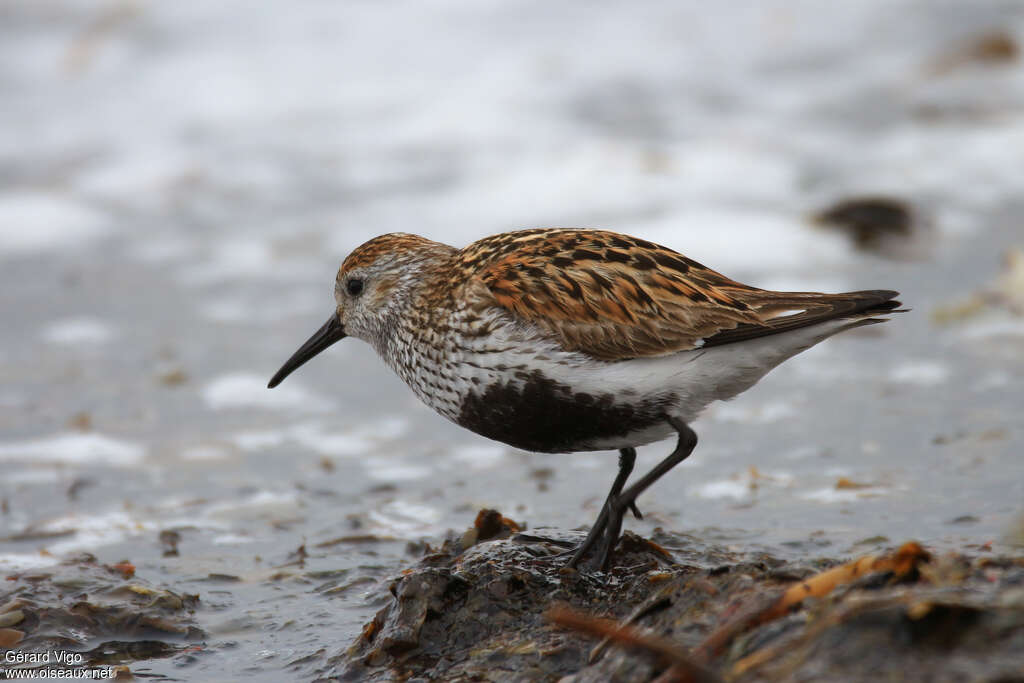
(533,338)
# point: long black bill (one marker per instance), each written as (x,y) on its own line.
(331,332)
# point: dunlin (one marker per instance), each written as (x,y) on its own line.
(559,341)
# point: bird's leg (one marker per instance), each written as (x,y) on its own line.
(626,500)
(627,458)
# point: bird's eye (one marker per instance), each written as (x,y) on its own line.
(354,286)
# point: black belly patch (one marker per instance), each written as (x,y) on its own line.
(541,415)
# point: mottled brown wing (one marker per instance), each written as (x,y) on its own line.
(614,297)
(608,295)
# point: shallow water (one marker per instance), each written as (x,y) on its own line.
(179,181)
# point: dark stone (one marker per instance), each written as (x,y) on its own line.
(481,614)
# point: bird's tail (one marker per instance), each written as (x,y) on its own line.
(786,311)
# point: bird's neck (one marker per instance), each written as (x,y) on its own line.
(410,334)
(420,353)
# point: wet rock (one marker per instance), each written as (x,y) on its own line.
(11,618)
(102,611)
(485,614)
(81,421)
(173,378)
(992,48)
(169,539)
(488,525)
(886,226)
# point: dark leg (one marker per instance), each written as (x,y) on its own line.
(627,458)
(609,522)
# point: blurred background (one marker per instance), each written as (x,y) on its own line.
(180,181)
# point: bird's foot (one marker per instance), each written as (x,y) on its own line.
(604,535)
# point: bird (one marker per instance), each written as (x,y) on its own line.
(558,340)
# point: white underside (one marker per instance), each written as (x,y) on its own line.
(696,378)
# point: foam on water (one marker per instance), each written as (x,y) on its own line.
(993,327)
(18,562)
(388,427)
(831,494)
(75,449)
(742,486)
(249,390)
(231,539)
(479,456)
(318,439)
(357,440)
(46,474)
(255,440)
(750,413)
(96,529)
(803,452)
(149,167)
(250,310)
(73,331)
(259,504)
(404,519)
(163,249)
(992,380)
(725,488)
(922,373)
(390,469)
(204,452)
(711,236)
(640,126)
(232,259)
(36,222)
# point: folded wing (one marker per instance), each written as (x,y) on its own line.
(615,297)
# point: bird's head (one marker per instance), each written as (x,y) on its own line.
(374,285)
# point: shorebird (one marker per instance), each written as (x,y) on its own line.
(559,341)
